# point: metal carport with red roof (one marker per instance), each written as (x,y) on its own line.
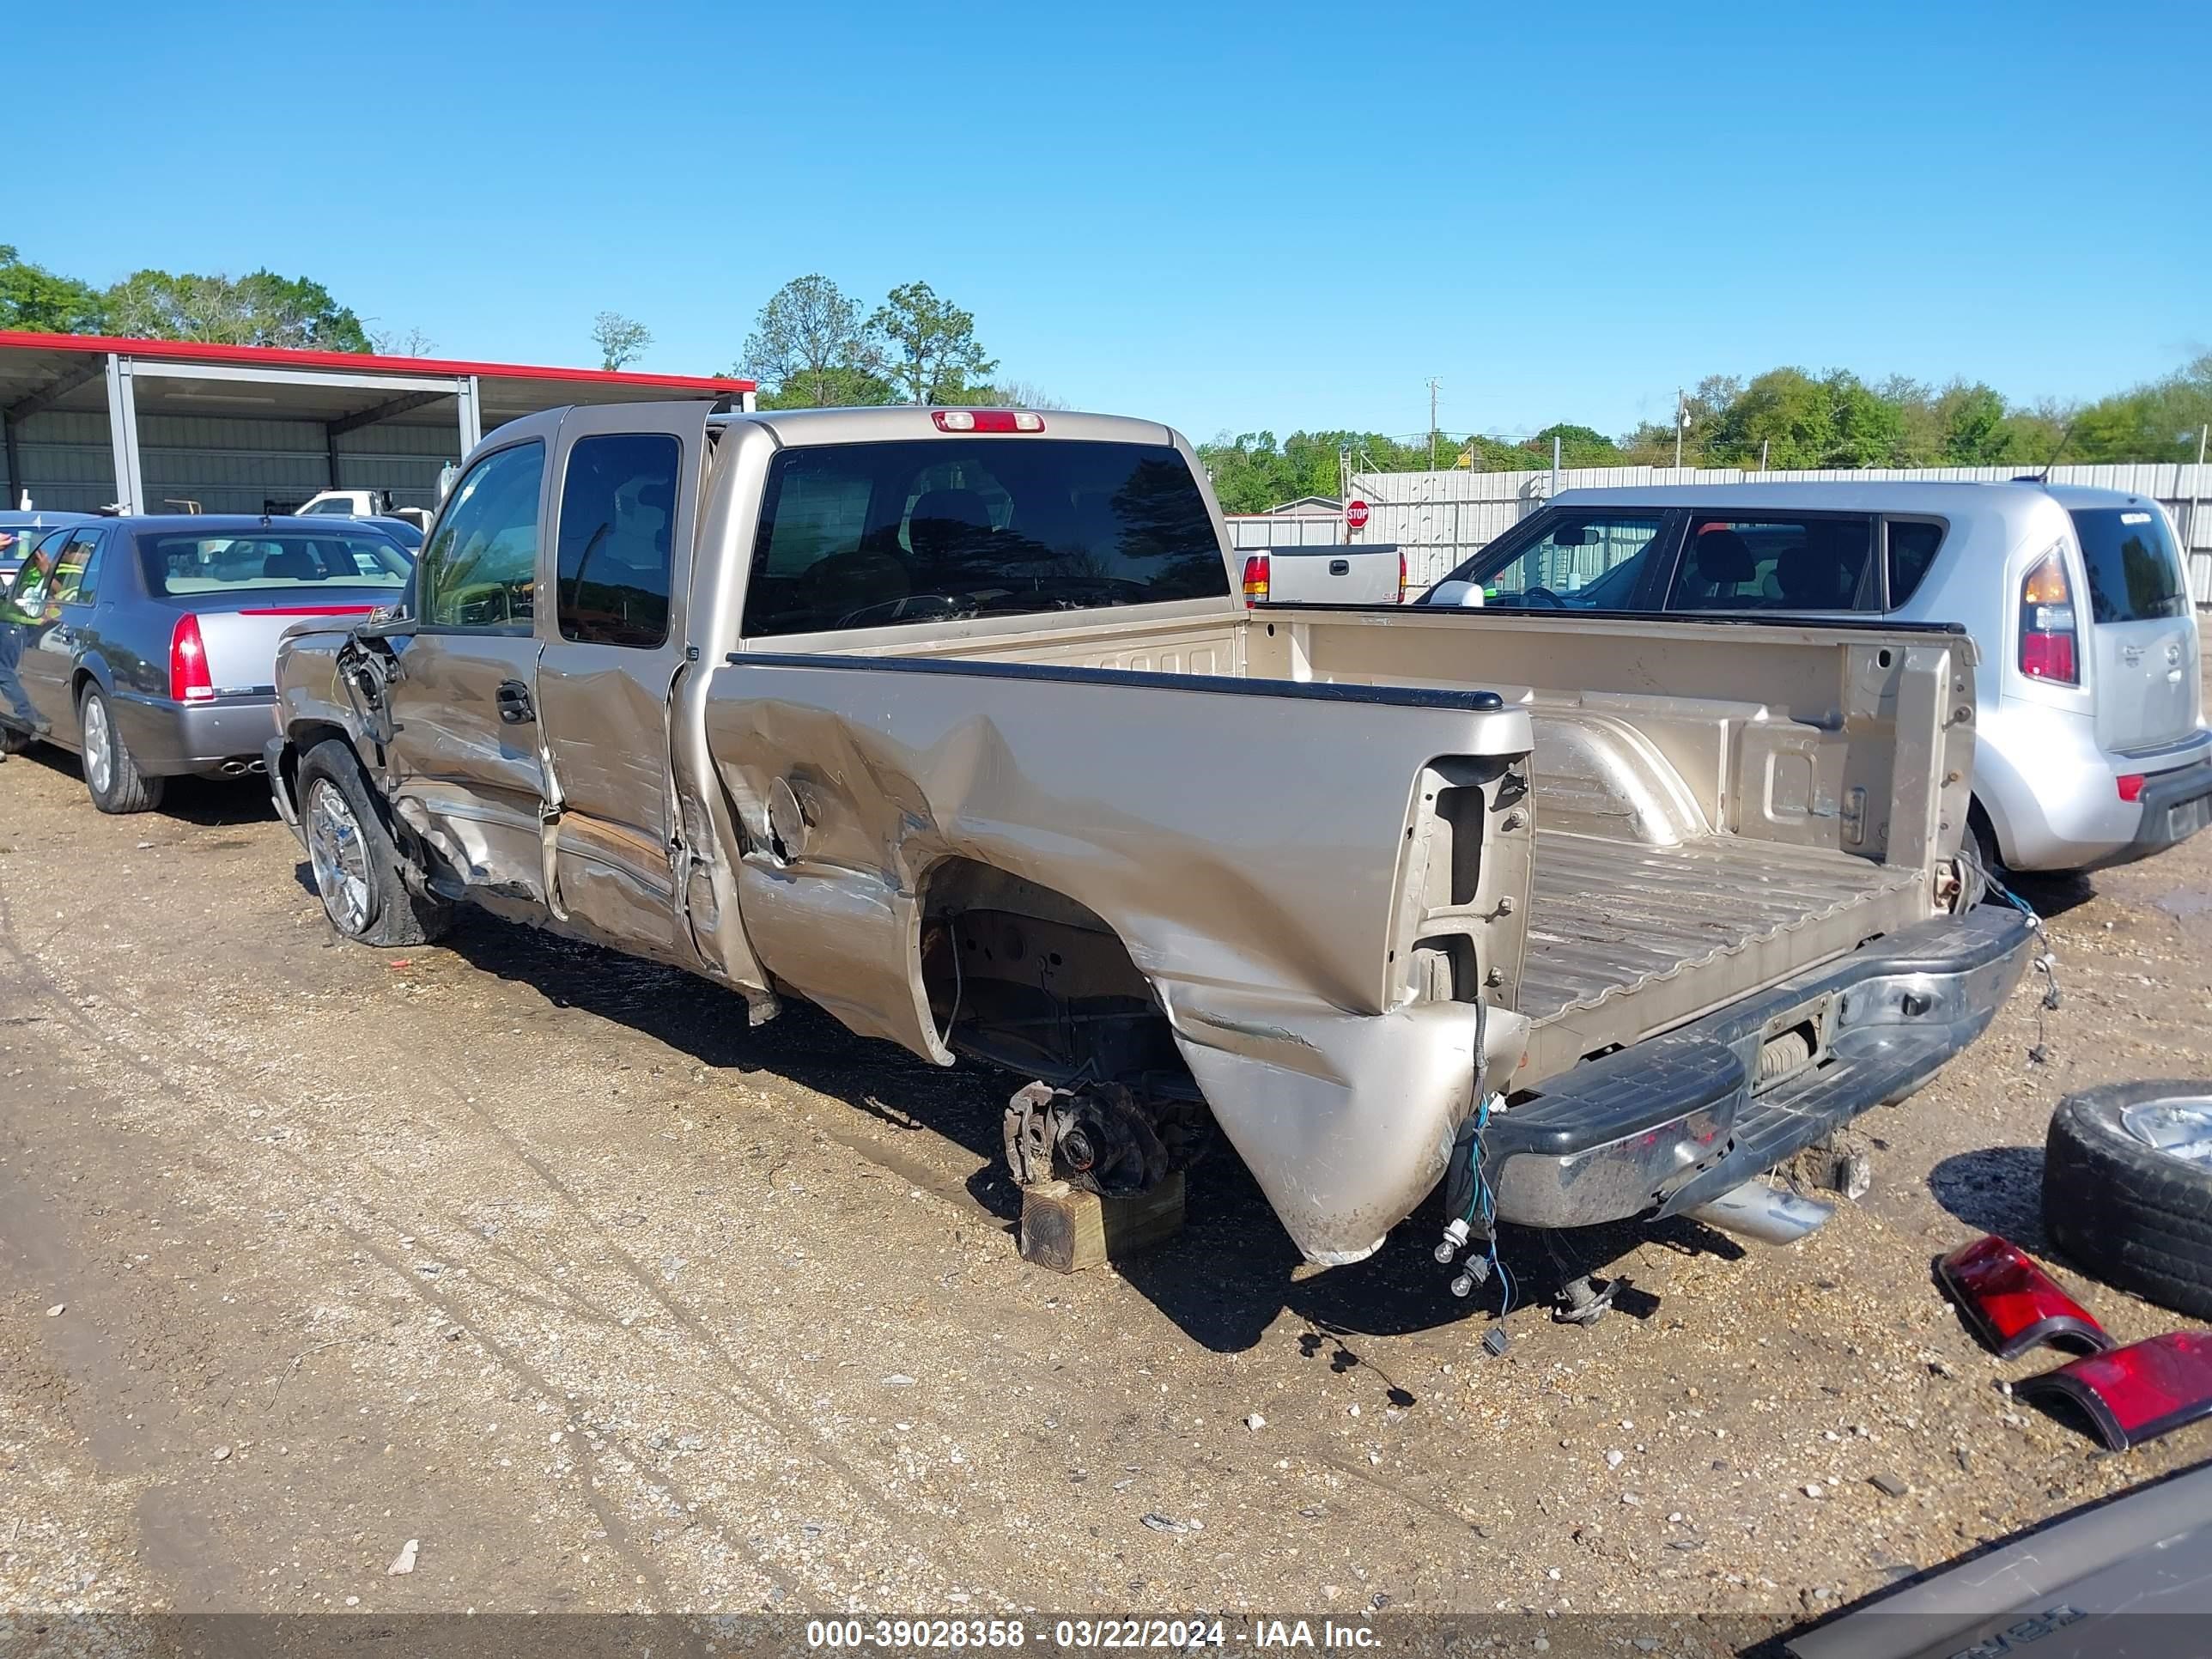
(142,425)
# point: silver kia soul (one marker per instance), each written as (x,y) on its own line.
(2092,748)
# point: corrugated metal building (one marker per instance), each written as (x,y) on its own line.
(145,425)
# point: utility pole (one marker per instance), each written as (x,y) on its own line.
(1762,453)
(1681,420)
(1432,423)
(2196,493)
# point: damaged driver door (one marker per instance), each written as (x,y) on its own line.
(466,757)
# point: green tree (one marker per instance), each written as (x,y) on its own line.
(2159,420)
(930,352)
(33,298)
(836,387)
(811,346)
(1579,446)
(1249,473)
(621,340)
(260,308)
(1869,429)
(1971,428)
(1786,411)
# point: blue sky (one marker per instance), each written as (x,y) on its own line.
(1228,217)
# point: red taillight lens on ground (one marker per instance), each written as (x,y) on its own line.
(1255,578)
(2138,1392)
(2131,786)
(2046,624)
(188,681)
(2012,1304)
(987,420)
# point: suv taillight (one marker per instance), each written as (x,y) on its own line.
(188,681)
(1401,575)
(2046,624)
(1255,578)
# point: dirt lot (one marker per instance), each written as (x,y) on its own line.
(542,1258)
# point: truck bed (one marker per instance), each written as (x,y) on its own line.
(1609,921)
(1692,844)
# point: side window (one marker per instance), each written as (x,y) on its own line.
(1771,563)
(78,569)
(617,511)
(1910,551)
(28,595)
(480,569)
(1591,561)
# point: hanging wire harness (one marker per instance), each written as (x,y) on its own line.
(1976,883)
(1471,1207)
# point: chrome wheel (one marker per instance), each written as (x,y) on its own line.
(341,862)
(99,745)
(2180,1128)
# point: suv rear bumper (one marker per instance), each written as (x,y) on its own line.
(2176,804)
(1665,1124)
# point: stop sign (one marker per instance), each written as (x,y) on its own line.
(1355,515)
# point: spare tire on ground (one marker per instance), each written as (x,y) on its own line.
(2127,1188)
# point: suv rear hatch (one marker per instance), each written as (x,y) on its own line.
(2142,633)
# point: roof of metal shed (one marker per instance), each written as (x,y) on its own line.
(33,366)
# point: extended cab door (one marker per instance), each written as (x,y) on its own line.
(465,761)
(626,479)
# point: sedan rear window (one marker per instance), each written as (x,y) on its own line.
(874,535)
(178,564)
(2135,572)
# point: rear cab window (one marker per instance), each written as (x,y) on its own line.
(2133,566)
(177,564)
(873,535)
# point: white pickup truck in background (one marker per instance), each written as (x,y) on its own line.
(359,504)
(1371,574)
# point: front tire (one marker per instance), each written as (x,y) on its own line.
(112,776)
(359,873)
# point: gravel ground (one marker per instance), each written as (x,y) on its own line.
(541,1258)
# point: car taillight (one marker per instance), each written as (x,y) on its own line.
(2131,786)
(2138,1392)
(1401,575)
(2011,1303)
(1255,578)
(987,420)
(188,681)
(2046,624)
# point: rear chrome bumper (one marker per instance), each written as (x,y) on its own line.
(1668,1123)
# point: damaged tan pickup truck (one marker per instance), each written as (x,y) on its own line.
(955,723)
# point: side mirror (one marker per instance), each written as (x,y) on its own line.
(1456,592)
